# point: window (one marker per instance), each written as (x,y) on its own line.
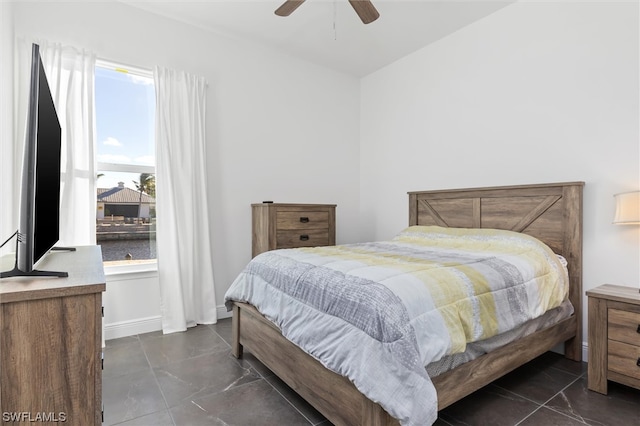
(125,200)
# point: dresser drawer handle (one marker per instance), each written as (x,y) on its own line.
(638,330)
(304,238)
(638,362)
(304,219)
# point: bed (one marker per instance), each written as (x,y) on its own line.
(551,213)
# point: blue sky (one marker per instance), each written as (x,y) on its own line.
(125,107)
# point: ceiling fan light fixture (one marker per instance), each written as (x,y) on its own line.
(364,8)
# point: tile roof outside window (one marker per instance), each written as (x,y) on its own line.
(122,195)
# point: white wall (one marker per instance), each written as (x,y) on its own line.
(8,216)
(278,128)
(536,92)
(132,304)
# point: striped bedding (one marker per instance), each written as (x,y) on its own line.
(379,312)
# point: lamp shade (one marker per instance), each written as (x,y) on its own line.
(627,208)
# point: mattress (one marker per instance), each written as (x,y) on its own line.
(477,349)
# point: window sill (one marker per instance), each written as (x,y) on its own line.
(147,268)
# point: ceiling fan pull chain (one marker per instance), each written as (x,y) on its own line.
(335,14)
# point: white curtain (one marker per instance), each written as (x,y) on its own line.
(183,235)
(70,74)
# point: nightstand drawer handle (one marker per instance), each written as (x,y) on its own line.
(304,219)
(638,330)
(638,363)
(304,238)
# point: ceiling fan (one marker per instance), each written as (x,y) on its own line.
(364,8)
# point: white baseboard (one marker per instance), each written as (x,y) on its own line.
(222,312)
(132,327)
(146,325)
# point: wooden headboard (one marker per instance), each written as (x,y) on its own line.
(551,212)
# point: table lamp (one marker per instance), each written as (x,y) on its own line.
(627,208)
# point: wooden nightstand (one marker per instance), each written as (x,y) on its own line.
(277,225)
(614,337)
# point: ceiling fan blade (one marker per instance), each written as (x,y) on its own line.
(288,7)
(365,10)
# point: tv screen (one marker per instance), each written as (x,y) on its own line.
(39,216)
(47,189)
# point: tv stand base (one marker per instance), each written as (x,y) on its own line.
(15,272)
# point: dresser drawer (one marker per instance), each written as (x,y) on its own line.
(302,238)
(302,220)
(624,326)
(624,358)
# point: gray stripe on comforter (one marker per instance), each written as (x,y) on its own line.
(365,304)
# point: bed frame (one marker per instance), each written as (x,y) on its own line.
(549,212)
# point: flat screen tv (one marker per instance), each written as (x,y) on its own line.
(39,218)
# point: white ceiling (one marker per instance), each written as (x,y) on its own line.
(328,32)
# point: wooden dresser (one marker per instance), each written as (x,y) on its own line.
(51,346)
(277,226)
(614,337)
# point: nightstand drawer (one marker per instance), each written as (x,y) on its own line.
(283,225)
(614,347)
(302,238)
(624,326)
(624,358)
(302,220)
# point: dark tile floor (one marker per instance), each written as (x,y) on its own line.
(191,378)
